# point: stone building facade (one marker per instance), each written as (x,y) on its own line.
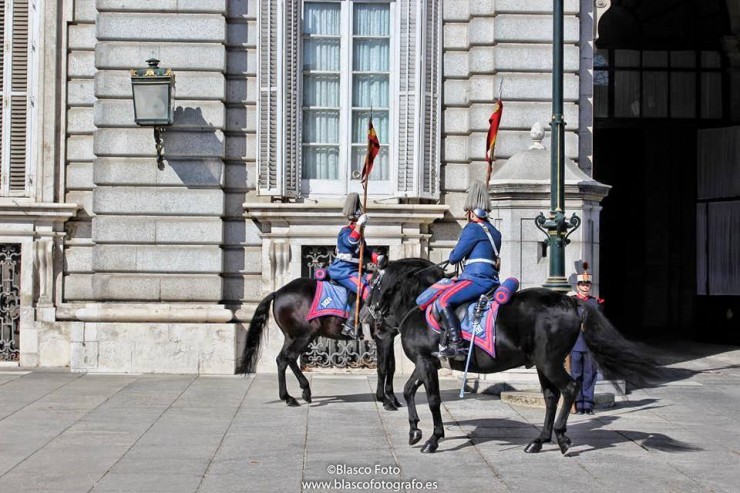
(122,267)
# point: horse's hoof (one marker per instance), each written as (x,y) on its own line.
(396,403)
(533,447)
(389,406)
(291,402)
(414,437)
(429,448)
(565,444)
(307,396)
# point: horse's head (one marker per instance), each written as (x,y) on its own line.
(395,290)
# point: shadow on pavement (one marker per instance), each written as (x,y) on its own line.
(590,433)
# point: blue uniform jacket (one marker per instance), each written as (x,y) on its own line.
(347,244)
(474,244)
(580,344)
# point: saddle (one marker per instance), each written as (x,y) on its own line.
(330,299)
(477,317)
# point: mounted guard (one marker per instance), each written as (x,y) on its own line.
(478,250)
(344,268)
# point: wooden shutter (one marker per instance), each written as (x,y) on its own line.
(15,97)
(2,99)
(269,137)
(431,103)
(279,128)
(418,111)
(409,12)
(292,107)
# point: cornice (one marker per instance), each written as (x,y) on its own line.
(318,213)
(20,211)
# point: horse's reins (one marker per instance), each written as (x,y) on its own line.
(413,308)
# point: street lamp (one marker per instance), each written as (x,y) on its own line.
(556,225)
(154,95)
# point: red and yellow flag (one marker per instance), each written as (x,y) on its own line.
(373,148)
(494,123)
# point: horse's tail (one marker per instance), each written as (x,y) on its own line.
(617,357)
(251,354)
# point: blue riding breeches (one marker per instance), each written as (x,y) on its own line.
(462,291)
(352,284)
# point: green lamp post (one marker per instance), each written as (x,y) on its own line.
(154,101)
(556,226)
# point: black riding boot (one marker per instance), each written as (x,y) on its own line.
(451,325)
(349,329)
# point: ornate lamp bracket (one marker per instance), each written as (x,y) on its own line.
(601,6)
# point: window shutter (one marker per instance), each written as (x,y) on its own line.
(279,127)
(419,103)
(14,83)
(409,11)
(293,121)
(432,103)
(2,98)
(269,139)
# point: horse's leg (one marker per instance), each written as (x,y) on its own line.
(283,360)
(552,394)
(381,348)
(295,352)
(389,393)
(409,394)
(428,373)
(386,368)
(568,387)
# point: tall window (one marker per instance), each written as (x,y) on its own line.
(346,74)
(323,66)
(16,102)
(658,84)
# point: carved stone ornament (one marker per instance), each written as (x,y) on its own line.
(601,7)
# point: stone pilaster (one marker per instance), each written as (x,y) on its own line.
(146,284)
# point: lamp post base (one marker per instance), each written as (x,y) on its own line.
(558,283)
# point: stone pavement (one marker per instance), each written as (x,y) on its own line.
(63,432)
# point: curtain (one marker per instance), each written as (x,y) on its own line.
(371,67)
(321,90)
(322,96)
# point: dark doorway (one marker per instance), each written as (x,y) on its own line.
(659,77)
(648,228)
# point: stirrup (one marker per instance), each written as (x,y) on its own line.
(348,330)
(456,353)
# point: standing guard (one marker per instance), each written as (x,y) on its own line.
(583,367)
(478,246)
(344,268)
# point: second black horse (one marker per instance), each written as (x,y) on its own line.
(537,327)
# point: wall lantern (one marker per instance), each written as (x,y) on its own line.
(154,98)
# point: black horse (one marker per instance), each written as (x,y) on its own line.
(537,327)
(291,305)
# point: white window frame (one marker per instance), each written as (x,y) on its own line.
(416,110)
(315,188)
(34,19)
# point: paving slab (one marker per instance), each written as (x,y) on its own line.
(63,432)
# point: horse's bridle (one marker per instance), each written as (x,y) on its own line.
(378,311)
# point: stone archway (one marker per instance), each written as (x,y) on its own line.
(648,236)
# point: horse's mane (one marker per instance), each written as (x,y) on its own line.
(406,278)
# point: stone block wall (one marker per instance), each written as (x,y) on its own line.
(487,43)
(149,262)
(151,235)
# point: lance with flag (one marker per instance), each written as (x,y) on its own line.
(494,122)
(373,148)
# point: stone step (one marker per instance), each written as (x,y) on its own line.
(526,378)
(534,398)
